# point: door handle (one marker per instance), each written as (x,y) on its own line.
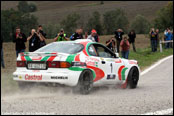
(103,62)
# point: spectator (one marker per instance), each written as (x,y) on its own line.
(2,58)
(118,35)
(111,44)
(77,35)
(86,35)
(42,34)
(132,36)
(34,39)
(19,38)
(93,36)
(61,36)
(169,37)
(125,47)
(153,39)
(96,37)
(157,36)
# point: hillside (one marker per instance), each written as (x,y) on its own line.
(55,11)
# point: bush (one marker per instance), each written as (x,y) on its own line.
(24,7)
(51,30)
(70,23)
(140,24)
(164,17)
(115,19)
(95,23)
(10,19)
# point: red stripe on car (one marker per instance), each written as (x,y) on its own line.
(119,72)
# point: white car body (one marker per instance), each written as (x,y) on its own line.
(105,70)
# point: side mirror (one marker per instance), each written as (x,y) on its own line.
(117,54)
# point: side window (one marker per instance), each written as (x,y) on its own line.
(92,50)
(100,51)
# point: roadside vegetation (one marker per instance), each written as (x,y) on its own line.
(146,58)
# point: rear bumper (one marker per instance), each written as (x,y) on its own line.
(61,76)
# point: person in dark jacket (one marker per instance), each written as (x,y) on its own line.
(2,58)
(111,44)
(34,40)
(19,38)
(118,35)
(132,36)
(153,39)
(77,35)
(42,34)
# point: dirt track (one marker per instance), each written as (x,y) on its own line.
(154,92)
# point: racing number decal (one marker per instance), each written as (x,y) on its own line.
(111,67)
(111,76)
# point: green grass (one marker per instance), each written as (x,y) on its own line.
(146,58)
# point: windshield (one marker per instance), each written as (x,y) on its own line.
(63,47)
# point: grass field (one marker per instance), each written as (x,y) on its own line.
(54,12)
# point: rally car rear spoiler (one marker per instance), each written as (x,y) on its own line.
(38,54)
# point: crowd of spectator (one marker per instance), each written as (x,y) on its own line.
(37,39)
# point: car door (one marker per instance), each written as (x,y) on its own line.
(108,62)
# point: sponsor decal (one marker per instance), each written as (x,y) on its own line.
(33,77)
(111,76)
(91,61)
(15,76)
(35,70)
(110,60)
(20,77)
(36,58)
(59,77)
(132,62)
(118,61)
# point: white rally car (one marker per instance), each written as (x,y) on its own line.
(81,64)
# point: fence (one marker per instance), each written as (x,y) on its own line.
(161,42)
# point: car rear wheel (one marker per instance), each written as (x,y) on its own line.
(85,83)
(133,78)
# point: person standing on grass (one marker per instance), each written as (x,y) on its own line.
(125,46)
(2,57)
(19,38)
(34,39)
(153,39)
(118,35)
(157,36)
(169,37)
(42,34)
(132,36)
(61,36)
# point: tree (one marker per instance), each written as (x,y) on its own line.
(95,23)
(24,7)
(115,19)
(10,19)
(70,23)
(164,17)
(51,30)
(140,24)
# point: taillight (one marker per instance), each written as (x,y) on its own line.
(58,64)
(78,64)
(21,64)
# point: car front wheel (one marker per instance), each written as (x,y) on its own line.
(133,78)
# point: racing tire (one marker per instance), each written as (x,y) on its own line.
(133,78)
(85,83)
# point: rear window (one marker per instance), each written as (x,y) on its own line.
(63,47)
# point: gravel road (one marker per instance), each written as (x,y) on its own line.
(154,93)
